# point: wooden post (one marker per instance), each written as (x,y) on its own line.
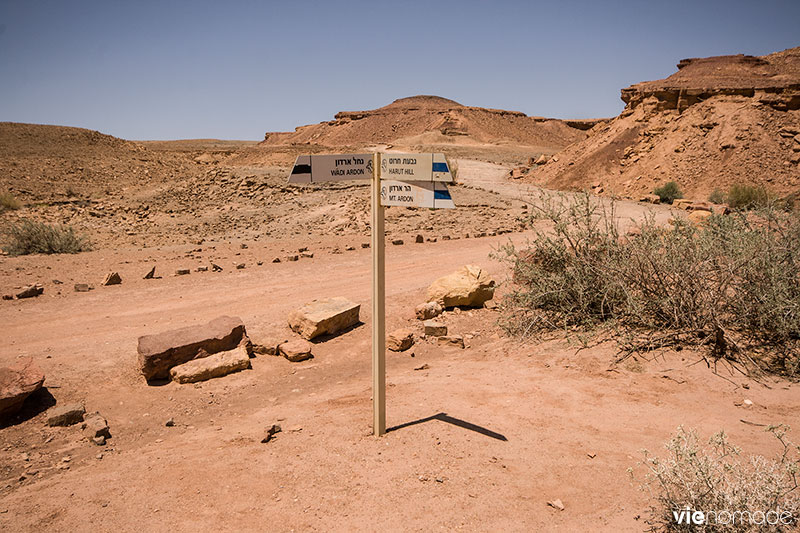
(378,304)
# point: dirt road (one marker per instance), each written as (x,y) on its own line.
(524,424)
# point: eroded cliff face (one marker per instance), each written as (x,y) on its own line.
(716,122)
(773,80)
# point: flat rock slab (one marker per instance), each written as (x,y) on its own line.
(65,415)
(434,328)
(160,352)
(320,317)
(296,350)
(17,382)
(214,366)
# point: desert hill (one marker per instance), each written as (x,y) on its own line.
(432,120)
(60,163)
(717,121)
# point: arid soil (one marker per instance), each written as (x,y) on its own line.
(525,424)
(481,438)
(717,122)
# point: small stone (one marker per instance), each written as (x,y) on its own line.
(239,266)
(112,278)
(66,415)
(307,255)
(293,257)
(296,350)
(365,245)
(423,367)
(556,504)
(215,268)
(419,239)
(94,426)
(400,340)
(747,404)
(434,329)
(428,310)
(276,260)
(243,246)
(397,242)
(182,272)
(270,347)
(271,432)
(31,291)
(100,441)
(303,249)
(151,274)
(432,239)
(202,269)
(170,423)
(8,297)
(82,287)
(350,248)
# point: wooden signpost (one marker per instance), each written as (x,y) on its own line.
(411,180)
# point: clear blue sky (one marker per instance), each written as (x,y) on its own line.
(233,70)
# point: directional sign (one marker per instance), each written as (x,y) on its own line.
(415,167)
(414,180)
(314,168)
(416,194)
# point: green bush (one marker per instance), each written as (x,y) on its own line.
(716,480)
(717,197)
(748,197)
(31,237)
(730,283)
(668,192)
(8,202)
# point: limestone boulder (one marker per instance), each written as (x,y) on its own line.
(321,317)
(470,286)
(65,415)
(213,366)
(160,352)
(17,382)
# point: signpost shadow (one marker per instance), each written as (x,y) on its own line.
(444,417)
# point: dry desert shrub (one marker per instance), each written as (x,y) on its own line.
(8,202)
(734,493)
(748,197)
(669,192)
(32,237)
(730,283)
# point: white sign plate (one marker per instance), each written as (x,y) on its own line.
(415,167)
(315,168)
(416,194)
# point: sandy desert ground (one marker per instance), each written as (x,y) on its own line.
(482,438)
